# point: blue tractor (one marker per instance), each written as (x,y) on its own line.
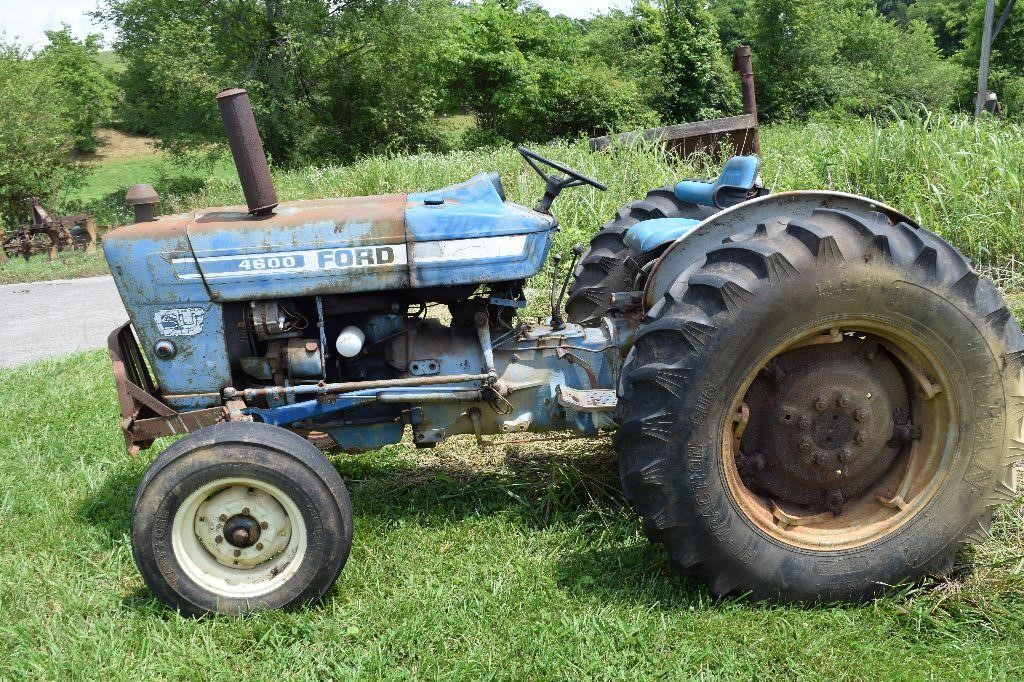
(811,396)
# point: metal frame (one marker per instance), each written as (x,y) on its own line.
(144,417)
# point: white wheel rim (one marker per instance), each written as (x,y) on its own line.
(242,570)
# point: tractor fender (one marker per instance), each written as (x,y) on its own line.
(688,250)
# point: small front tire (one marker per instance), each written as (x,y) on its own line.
(241,517)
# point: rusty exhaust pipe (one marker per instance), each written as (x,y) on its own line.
(743,64)
(247,150)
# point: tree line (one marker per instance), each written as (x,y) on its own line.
(333,80)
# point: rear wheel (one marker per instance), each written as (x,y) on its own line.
(821,409)
(240,517)
(609,265)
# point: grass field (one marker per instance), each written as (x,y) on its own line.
(507,563)
(514,562)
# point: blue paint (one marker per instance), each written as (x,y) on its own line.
(332,405)
(459,235)
(731,186)
(469,209)
(143,262)
(489,268)
(650,234)
(365,437)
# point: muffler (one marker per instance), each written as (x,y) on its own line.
(247,150)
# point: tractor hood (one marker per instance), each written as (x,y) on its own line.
(462,234)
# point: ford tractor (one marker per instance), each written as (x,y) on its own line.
(811,396)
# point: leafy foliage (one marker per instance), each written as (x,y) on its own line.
(327,79)
(697,83)
(82,84)
(36,134)
(520,71)
(840,57)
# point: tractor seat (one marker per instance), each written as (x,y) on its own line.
(650,234)
(733,186)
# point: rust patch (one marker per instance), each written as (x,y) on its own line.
(385,213)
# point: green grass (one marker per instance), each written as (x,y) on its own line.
(958,177)
(68,265)
(506,563)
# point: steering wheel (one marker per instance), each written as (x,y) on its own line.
(554,184)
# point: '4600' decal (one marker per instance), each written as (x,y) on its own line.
(313,260)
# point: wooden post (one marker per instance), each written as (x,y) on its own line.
(986,53)
(743,64)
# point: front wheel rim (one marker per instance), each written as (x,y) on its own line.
(917,470)
(239,537)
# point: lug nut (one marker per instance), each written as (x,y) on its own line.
(238,552)
(860,436)
(806,444)
(259,546)
(820,457)
(862,414)
(264,525)
(245,511)
(820,404)
(805,423)
(223,518)
(845,455)
(219,539)
(843,400)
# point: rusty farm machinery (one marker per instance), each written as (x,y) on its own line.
(49,235)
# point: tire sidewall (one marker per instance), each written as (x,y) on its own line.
(975,376)
(328,526)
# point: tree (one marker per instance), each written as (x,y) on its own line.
(946,19)
(81,84)
(328,78)
(697,81)
(36,137)
(842,57)
(527,77)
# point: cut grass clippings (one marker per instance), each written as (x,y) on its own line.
(517,562)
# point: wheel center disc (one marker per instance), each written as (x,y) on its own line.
(832,429)
(242,526)
(242,530)
(821,422)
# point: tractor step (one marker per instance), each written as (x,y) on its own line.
(584,400)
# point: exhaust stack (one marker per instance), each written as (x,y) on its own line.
(247,150)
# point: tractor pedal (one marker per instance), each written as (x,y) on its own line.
(584,400)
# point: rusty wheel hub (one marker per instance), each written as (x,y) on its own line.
(826,422)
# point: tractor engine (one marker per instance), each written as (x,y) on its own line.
(355,316)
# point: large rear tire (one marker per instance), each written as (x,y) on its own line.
(241,517)
(822,409)
(609,266)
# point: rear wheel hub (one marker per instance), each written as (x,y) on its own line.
(821,423)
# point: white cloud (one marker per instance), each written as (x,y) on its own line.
(27,22)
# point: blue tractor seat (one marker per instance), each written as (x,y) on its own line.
(733,186)
(649,234)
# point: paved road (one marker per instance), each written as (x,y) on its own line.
(49,319)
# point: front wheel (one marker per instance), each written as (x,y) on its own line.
(241,517)
(822,409)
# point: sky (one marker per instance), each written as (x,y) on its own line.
(26,22)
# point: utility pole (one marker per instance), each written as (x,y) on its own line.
(986,53)
(988,37)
